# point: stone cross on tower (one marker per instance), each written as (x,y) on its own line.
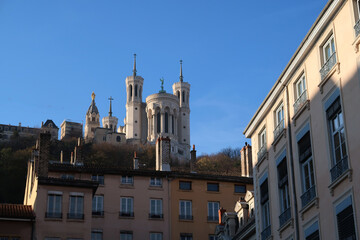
(110,110)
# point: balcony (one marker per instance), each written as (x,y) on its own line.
(185,217)
(300,101)
(126,214)
(357,28)
(266,233)
(340,167)
(328,66)
(278,129)
(53,215)
(156,215)
(308,196)
(98,213)
(213,218)
(261,153)
(285,216)
(75,216)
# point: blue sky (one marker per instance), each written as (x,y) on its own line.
(53,54)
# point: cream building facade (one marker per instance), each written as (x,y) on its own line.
(306,139)
(162,115)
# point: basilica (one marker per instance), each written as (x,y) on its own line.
(162,115)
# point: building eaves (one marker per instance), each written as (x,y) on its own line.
(68,182)
(16,211)
(281,81)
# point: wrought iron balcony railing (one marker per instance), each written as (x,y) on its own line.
(156,215)
(75,216)
(98,213)
(357,28)
(53,215)
(285,216)
(300,101)
(328,66)
(340,167)
(185,217)
(278,129)
(261,153)
(308,196)
(126,214)
(213,218)
(266,233)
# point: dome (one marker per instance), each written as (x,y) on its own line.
(93,108)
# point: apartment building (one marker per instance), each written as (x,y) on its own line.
(79,201)
(306,142)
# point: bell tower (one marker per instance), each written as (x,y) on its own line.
(92,120)
(134,108)
(110,122)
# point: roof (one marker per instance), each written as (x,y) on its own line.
(50,123)
(98,169)
(68,182)
(17,211)
(93,108)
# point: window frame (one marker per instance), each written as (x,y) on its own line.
(127,180)
(52,213)
(126,235)
(210,186)
(240,185)
(156,208)
(212,211)
(279,109)
(155,182)
(183,184)
(100,178)
(99,208)
(126,206)
(262,138)
(185,210)
(330,41)
(156,236)
(76,208)
(300,82)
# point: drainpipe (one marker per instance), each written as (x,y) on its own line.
(296,217)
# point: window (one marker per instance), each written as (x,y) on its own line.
(156,208)
(136,90)
(54,205)
(183,185)
(265,211)
(279,117)
(67,176)
(213,187)
(126,235)
(328,49)
(283,192)
(166,122)
(345,220)
(312,232)
(186,236)
(185,210)
(183,96)
(158,123)
(127,180)
(172,124)
(262,139)
(76,206)
(118,139)
(156,236)
(98,205)
(212,237)
(357,14)
(98,178)
(155,182)
(239,188)
(300,86)
(96,235)
(213,208)
(337,135)
(307,169)
(126,206)
(131,91)
(328,57)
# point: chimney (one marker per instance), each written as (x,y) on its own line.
(221,212)
(72,158)
(192,159)
(163,154)
(246,161)
(61,156)
(248,153)
(42,123)
(44,150)
(136,161)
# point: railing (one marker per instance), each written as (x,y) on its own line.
(278,129)
(265,234)
(357,28)
(261,153)
(53,215)
(126,214)
(75,216)
(307,196)
(213,218)
(285,216)
(300,101)
(98,213)
(185,217)
(154,215)
(339,168)
(328,65)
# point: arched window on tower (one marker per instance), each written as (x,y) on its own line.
(136,88)
(172,124)
(183,96)
(178,94)
(158,122)
(130,92)
(140,93)
(187,97)
(166,122)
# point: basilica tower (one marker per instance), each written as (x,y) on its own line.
(181,89)
(135,123)
(110,122)
(92,120)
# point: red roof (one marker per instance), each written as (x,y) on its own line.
(16,211)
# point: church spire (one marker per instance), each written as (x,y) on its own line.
(134,70)
(181,76)
(110,110)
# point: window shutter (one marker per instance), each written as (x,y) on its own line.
(334,108)
(346,225)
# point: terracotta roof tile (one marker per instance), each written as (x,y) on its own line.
(16,211)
